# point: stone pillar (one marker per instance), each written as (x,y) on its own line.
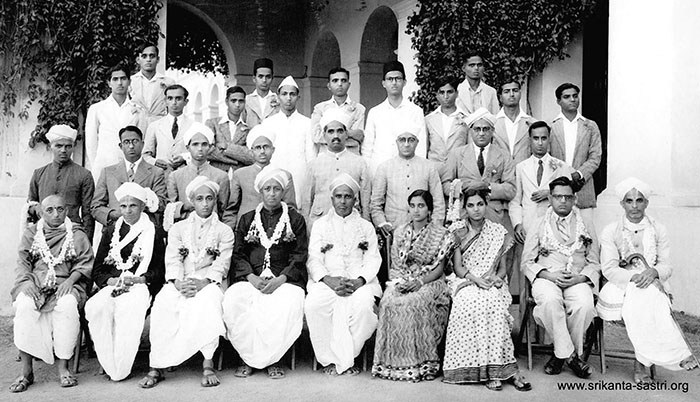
(163,24)
(405,53)
(355,84)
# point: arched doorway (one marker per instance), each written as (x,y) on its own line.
(379,43)
(325,57)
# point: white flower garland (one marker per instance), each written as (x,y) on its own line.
(257,230)
(115,249)
(210,243)
(39,247)
(348,245)
(648,242)
(550,242)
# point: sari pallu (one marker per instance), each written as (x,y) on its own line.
(411,325)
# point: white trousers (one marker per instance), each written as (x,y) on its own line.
(44,335)
(116,324)
(181,326)
(564,313)
(339,326)
(262,327)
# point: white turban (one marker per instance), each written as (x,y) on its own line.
(288,81)
(406,127)
(259,131)
(345,179)
(144,194)
(61,131)
(630,183)
(198,128)
(199,182)
(480,113)
(271,173)
(335,114)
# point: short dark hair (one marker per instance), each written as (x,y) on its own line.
(133,129)
(484,194)
(145,46)
(335,70)
(506,82)
(563,87)
(425,195)
(119,67)
(234,90)
(447,80)
(174,87)
(563,181)
(536,125)
(469,54)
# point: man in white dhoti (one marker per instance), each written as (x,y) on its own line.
(54,265)
(186,314)
(125,266)
(561,260)
(638,289)
(264,309)
(343,264)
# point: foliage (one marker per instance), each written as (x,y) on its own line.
(192,45)
(62,50)
(516,38)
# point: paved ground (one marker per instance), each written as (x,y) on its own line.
(304,384)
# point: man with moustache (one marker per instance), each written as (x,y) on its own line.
(148,86)
(511,128)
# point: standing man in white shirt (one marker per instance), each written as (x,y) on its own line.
(445,125)
(104,120)
(512,123)
(576,140)
(261,103)
(164,146)
(293,145)
(381,130)
(473,91)
(230,132)
(338,84)
(147,85)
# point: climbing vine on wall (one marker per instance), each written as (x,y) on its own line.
(517,38)
(58,53)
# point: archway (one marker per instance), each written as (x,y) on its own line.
(379,43)
(325,57)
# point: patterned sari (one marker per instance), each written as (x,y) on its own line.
(411,325)
(478,346)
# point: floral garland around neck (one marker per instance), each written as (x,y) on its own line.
(188,245)
(114,256)
(362,243)
(550,243)
(258,234)
(40,249)
(648,242)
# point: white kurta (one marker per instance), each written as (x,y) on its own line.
(293,146)
(181,326)
(44,335)
(339,326)
(262,327)
(102,124)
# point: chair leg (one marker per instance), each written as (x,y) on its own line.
(314,364)
(293,365)
(601,346)
(529,341)
(364,357)
(652,371)
(220,362)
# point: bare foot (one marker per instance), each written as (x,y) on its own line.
(352,371)
(209,378)
(330,370)
(689,363)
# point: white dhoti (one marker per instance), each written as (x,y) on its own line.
(262,327)
(44,335)
(116,324)
(181,326)
(339,326)
(565,314)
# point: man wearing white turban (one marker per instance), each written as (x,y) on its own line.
(636,259)
(125,266)
(327,165)
(264,308)
(198,139)
(63,177)
(187,314)
(293,145)
(343,264)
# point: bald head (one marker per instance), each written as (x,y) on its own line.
(53,210)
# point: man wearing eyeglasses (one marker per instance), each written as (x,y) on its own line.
(382,128)
(562,261)
(481,165)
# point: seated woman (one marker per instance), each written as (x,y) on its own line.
(187,315)
(124,267)
(414,310)
(264,309)
(478,346)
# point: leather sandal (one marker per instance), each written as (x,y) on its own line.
(22,383)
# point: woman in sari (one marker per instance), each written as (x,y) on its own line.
(414,310)
(478,347)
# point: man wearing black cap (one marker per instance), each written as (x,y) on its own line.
(381,130)
(261,103)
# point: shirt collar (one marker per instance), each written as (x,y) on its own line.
(502,113)
(136,164)
(545,159)
(337,154)
(335,218)
(269,94)
(403,103)
(127,101)
(346,102)
(453,114)
(578,117)
(478,88)
(202,221)
(171,118)
(156,76)
(225,119)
